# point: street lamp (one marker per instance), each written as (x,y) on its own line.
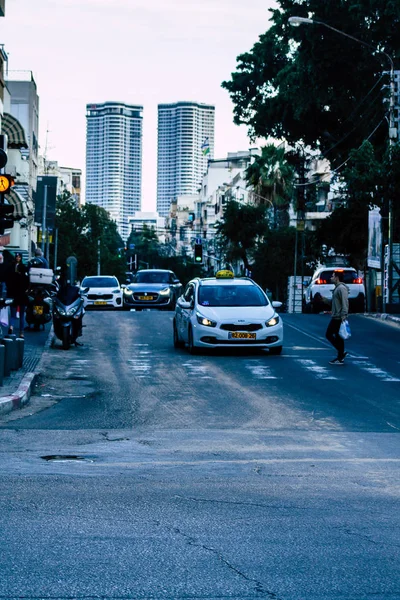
(392,129)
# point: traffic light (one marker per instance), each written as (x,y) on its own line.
(6,217)
(3,151)
(198,253)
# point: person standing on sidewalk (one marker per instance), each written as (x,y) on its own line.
(17,286)
(340,311)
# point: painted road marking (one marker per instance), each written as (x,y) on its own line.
(374,370)
(319,371)
(260,370)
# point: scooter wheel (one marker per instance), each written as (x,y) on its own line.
(66,341)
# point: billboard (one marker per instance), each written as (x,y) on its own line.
(374,238)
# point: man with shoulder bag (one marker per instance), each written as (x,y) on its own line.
(340,311)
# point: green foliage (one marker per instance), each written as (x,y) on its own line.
(313,84)
(239,229)
(79,233)
(346,231)
(271,175)
(146,246)
(273,261)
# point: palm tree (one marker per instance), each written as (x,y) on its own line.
(271,176)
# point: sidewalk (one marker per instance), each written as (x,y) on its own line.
(395,319)
(16,389)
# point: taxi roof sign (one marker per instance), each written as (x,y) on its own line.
(225,274)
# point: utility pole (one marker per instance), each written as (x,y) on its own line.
(98,257)
(44,216)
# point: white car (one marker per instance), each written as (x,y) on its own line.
(104,292)
(226,311)
(321,288)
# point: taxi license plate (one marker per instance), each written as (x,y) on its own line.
(145,297)
(38,310)
(241,335)
(102,302)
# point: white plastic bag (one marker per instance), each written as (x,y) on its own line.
(4,320)
(344,330)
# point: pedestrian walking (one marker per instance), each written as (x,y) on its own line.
(40,259)
(17,286)
(340,311)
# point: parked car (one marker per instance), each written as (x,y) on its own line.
(104,292)
(321,288)
(226,311)
(152,288)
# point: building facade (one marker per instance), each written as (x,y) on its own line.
(185,144)
(69,179)
(114,160)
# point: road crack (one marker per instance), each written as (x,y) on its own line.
(259,587)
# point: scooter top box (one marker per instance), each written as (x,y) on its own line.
(43,276)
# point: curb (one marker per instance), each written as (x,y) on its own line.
(384,317)
(21,396)
(23,393)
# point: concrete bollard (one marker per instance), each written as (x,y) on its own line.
(14,351)
(2,357)
(8,349)
(20,351)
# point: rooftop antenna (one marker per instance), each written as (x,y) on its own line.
(46,148)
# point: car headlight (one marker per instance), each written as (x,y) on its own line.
(128,292)
(204,321)
(273,321)
(165,292)
(115,291)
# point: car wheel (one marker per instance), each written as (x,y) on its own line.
(177,342)
(276,350)
(192,348)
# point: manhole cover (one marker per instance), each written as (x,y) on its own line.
(66,458)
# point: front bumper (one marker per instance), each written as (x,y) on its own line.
(214,337)
(99,302)
(159,302)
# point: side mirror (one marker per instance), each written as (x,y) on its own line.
(276,304)
(123,286)
(176,281)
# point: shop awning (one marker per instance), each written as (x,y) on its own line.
(14,131)
(19,204)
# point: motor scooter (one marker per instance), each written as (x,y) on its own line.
(68,311)
(39,306)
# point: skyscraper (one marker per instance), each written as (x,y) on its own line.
(114,160)
(185,143)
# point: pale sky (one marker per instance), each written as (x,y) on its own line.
(143,52)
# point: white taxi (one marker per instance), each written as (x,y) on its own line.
(226,311)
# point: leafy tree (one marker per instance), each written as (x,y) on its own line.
(317,86)
(239,228)
(146,246)
(79,233)
(313,84)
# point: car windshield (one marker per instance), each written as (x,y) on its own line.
(100,282)
(231,295)
(152,277)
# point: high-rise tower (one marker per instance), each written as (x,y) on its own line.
(114,160)
(185,143)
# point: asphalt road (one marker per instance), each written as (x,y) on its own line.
(139,471)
